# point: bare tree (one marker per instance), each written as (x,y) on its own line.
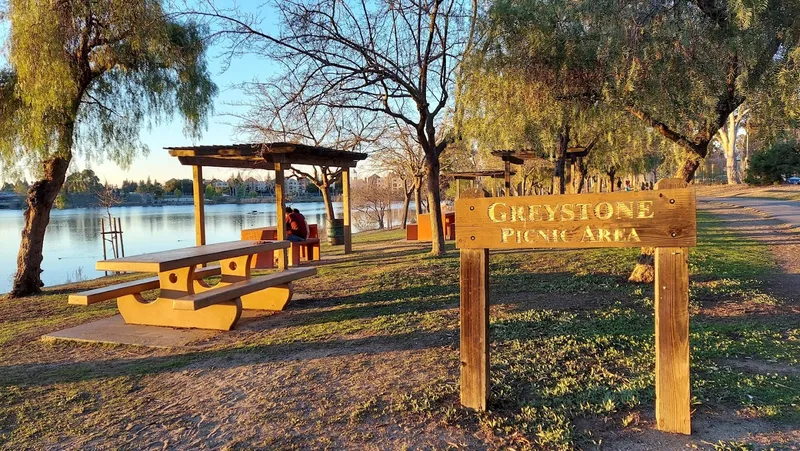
(373,200)
(277,111)
(392,58)
(403,158)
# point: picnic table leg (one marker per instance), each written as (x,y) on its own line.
(174,284)
(239,268)
(273,298)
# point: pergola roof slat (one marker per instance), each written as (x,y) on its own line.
(264,155)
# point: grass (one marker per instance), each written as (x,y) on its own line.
(571,354)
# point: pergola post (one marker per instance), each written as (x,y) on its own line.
(279,206)
(348,244)
(199,207)
(507,177)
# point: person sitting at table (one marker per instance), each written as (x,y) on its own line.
(308,228)
(296,228)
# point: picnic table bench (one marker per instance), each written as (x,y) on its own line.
(421,231)
(306,250)
(185,299)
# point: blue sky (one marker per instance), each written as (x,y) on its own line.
(158,164)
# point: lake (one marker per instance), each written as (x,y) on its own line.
(72,243)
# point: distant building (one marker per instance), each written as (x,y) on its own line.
(254,185)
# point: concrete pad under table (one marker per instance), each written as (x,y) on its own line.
(114,330)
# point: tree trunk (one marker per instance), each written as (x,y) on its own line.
(418,196)
(580,175)
(644,271)
(41,196)
(561,156)
(326,199)
(687,171)
(733,174)
(611,176)
(434,204)
(406,204)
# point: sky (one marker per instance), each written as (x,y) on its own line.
(158,164)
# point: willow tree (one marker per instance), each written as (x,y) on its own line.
(85,76)
(685,67)
(528,85)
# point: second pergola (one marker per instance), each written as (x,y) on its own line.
(278,157)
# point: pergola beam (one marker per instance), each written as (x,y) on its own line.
(226,163)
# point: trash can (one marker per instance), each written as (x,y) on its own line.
(335,230)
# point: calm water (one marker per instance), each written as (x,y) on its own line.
(73,245)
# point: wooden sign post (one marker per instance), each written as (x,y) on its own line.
(664,219)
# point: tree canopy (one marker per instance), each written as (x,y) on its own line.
(111,67)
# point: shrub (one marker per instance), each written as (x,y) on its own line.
(774,164)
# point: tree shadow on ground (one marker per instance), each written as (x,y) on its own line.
(46,374)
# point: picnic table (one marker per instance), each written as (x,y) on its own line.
(307,250)
(185,299)
(421,231)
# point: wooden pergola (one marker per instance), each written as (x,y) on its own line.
(278,157)
(509,157)
(477,174)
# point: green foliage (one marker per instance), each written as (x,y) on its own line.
(62,201)
(774,164)
(109,67)
(85,181)
(678,68)
(178,193)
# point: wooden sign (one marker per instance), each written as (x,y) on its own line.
(664,218)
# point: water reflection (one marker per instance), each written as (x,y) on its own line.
(73,243)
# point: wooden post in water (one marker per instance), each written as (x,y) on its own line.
(121,241)
(103,238)
(672,333)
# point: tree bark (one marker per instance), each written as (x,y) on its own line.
(687,171)
(611,175)
(41,196)
(406,204)
(559,186)
(644,271)
(326,199)
(418,196)
(434,204)
(580,175)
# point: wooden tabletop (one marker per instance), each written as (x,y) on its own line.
(189,256)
